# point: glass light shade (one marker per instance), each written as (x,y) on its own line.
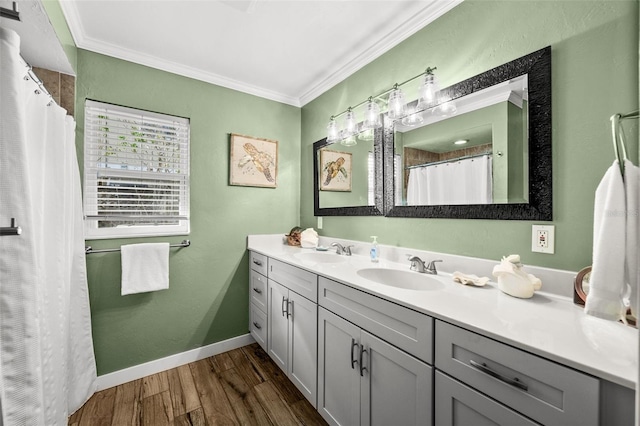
(349,141)
(332,131)
(428,92)
(366,135)
(412,118)
(448,108)
(371,116)
(350,124)
(396,104)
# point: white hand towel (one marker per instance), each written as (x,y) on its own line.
(607,284)
(145,267)
(632,191)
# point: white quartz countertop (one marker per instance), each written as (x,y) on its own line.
(548,325)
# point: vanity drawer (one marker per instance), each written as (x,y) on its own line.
(538,388)
(258,290)
(409,330)
(258,262)
(303,282)
(258,325)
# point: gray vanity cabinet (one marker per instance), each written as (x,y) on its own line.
(292,325)
(535,387)
(362,379)
(258,298)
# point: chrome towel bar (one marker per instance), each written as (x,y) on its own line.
(89,250)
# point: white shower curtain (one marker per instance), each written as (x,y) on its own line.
(47,365)
(468,181)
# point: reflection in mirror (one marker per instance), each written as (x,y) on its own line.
(475,156)
(348,176)
(500,167)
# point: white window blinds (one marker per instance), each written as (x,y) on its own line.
(136,172)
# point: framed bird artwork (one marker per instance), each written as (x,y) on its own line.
(335,171)
(253,161)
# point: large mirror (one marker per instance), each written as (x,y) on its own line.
(485,154)
(348,178)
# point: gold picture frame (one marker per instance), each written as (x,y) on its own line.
(253,161)
(335,171)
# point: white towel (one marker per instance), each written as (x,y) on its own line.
(607,284)
(145,267)
(632,191)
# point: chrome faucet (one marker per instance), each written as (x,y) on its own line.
(340,249)
(418,265)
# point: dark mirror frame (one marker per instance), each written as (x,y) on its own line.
(537,66)
(375,210)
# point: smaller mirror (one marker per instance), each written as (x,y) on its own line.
(348,178)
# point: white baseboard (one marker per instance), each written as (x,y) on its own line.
(152,367)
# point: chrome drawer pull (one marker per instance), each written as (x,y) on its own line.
(257,290)
(353,360)
(513,382)
(257,262)
(256,325)
(282,306)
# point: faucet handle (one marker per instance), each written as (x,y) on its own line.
(347,250)
(432,266)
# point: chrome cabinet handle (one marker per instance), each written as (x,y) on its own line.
(256,325)
(257,262)
(362,367)
(289,308)
(353,359)
(282,306)
(257,290)
(485,369)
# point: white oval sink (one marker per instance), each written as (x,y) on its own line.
(319,257)
(407,280)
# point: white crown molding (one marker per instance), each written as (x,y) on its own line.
(429,13)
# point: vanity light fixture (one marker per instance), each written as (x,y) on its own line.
(396,107)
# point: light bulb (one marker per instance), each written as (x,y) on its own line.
(428,91)
(371,116)
(350,124)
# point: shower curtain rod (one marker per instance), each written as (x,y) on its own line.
(32,75)
(89,250)
(466,157)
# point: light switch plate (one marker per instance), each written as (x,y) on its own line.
(319,222)
(542,238)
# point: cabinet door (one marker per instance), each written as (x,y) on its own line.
(396,388)
(338,377)
(303,345)
(459,405)
(278,324)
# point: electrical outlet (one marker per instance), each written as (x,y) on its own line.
(319,222)
(542,238)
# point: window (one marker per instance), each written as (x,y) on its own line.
(136,172)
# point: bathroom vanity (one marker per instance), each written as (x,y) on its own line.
(376,343)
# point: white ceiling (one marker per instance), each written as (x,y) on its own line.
(287,51)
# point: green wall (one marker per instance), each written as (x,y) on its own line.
(594,74)
(207,300)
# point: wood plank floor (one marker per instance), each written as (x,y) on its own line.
(239,387)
